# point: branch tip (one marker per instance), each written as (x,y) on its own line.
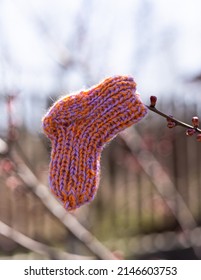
(172,122)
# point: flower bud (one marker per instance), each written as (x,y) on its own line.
(153,100)
(171,124)
(199,137)
(190,131)
(195,121)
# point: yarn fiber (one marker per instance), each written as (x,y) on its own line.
(79,126)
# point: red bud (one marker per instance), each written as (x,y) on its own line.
(195,121)
(153,100)
(199,137)
(171,124)
(190,132)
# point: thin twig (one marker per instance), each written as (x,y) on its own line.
(177,122)
(35,246)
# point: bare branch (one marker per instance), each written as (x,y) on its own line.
(176,121)
(172,122)
(36,246)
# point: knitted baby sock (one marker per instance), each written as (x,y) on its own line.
(79,126)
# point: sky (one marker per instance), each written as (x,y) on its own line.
(48,47)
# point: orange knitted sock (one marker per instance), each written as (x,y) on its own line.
(79,126)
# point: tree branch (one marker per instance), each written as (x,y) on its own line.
(172,122)
(36,246)
(176,121)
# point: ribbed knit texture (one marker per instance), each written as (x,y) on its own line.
(79,126)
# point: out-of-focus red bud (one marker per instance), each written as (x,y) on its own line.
(199,137)
(195,121)
(171,124)
(153,100)
(190,131)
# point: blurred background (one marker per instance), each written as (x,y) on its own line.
(149,201)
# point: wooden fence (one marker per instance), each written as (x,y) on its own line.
(149,194)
